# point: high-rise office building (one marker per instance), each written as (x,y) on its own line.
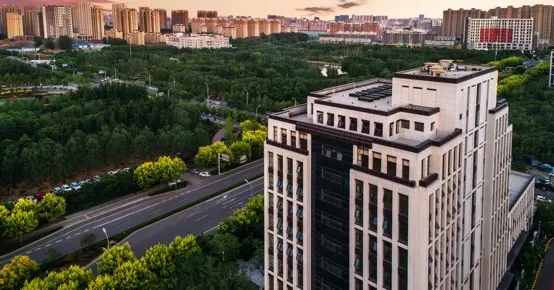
(395,184)
(82,18)
(97,19)
(180,17)
(116,16)
(454,21)
(162,15)
(5,9)
(146,20)
(206,14)
(31,20)
(14,25)
(57,21)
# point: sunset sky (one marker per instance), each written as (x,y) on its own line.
(326,9)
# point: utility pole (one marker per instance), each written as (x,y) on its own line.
(168,92)
(257,110)
(173,82)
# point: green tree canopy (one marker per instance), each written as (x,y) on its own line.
(14,274)
(114,257)
(19,223)
(51,207)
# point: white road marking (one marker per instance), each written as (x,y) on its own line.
(86,231)
(123,224)
(204,216)
(58,241)
(170,198)
(28,252)
(38,249)
(124,216)
(77,234)
(48,245)
(67,238)
(207,231)
(158,210)
(192,214)
(230,200)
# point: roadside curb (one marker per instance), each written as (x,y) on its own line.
(537,274)
(171,214)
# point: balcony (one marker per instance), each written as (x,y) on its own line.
(383,175)
(427,181)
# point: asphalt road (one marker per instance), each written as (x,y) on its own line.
(546,277)
(133,213)
(202,218)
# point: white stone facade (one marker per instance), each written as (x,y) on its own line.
(500,33)
(425,156)
(198,41)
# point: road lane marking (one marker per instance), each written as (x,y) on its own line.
(68,237)
(48,245)
(86,231)
(111,221)
(58,241)
(230,200)
(170,198)
(28,252)
(38,249)
(77,234)
(158,210)
(204,216)
(184,199)
(118,226)
(209,230)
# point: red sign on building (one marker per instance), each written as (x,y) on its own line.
(496,35)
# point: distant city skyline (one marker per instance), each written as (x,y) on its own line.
(326,9)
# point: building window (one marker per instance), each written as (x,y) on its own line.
(299,168)
(270,159)
(397,126)
(377,161)
(391,165)
(283,136)
(320,117)
(391,129)
(378,129)
(403,221)
(405,124)
(402,269)
(353,124)
(432,126)
(293,139)
(359,189)
(365,126)
(342,121)
(303,141)
(387,213)
(405,169)
(363,157)
(330,119)
(275,133)
(270,181)
(373,267)
(419,126)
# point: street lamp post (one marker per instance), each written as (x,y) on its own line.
(115,73)
(168,92)
(294,101)
(257,110)
(173,82)
(149,80)
(107,239)
(246,95)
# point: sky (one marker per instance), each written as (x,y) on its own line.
(326,9)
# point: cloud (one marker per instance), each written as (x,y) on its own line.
(341,5)
(316,10)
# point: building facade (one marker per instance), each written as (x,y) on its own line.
(116,16)
(206,14)
(57,21)
(499,33)
(31,20)
(394,184)
(162,16)
(5,9)
(129,21)
(198,41)
(82,22)
(453,21)
(97,20)
(14,24)
(180,17)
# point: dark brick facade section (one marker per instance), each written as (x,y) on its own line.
(287,147)
(429,180)
(409,183)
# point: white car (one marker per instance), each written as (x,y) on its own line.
(174,183)
(205,174)
(31,198)
(540,198)
(75,186)
(66,188)
(113,172)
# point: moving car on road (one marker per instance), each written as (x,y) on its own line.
(205,174)
(194,171)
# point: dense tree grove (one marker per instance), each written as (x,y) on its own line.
(275,72)
(91,127)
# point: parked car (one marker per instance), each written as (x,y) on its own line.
(126,169)
(75,185)
(66,188)
(83,182)
(96,178)
(32,198)
(58,190)
(113,172)
(39,196)
(174,183)
(194,171)
(205,174)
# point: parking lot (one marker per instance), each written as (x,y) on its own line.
(542,175)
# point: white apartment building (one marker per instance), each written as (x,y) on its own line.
(499,33)
(395,184)
(181,40)
(57,21)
